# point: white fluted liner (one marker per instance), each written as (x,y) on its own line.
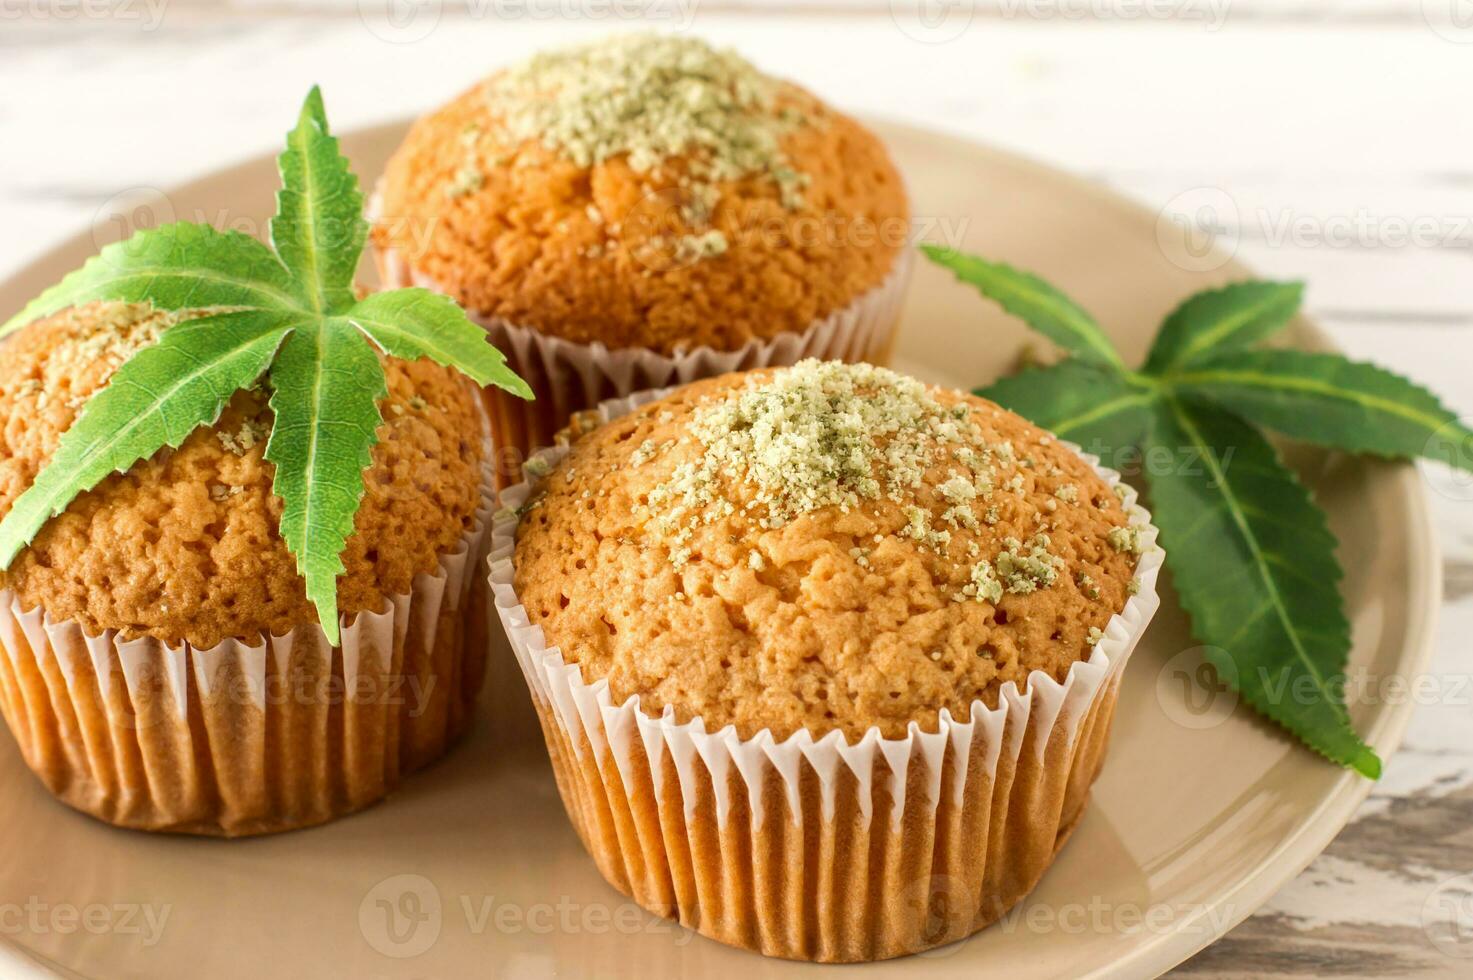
(246,738)
(570,377)
(889,846)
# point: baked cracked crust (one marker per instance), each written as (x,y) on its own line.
(596,253)
(184,546)
(839,617)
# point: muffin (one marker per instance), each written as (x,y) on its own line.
(642,211)
(163,668)
(825,658)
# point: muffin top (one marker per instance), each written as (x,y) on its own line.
(644,191)
(184,546)
(822,547)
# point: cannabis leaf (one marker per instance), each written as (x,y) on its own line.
(1328,400)
(1219,320)
(1045,309)
(1261,583)
(288,312)
(154,400)
(1079,403)
(1251,554)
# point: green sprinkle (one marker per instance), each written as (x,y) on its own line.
(467,181)
(1026,572)
(650,97)
(1126,539)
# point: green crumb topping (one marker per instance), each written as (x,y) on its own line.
(650,97)
(467,181)
(115,335)
(959,490)
(1126,539)
(1095,636)
(1027,571)
(961,515)
(694,248)
(111,335)
(1087,585)
(818,434)
(983,585)
(919,529)
(1068,493)
(1134,588)
(644,453)
(653,99)
(824,434)
(243,439)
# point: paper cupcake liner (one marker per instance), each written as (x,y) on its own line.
(570,377)
(249,738)
(818,849)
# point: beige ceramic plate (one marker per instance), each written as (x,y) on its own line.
(473,869)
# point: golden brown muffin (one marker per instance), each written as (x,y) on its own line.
(728,552)
(184,546)
(893,609)
(644,191)
(178,679)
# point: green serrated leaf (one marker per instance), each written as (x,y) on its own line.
(319,229)
(1331,401)
(325,387)
(1100,410)
(325,376)
(176,268)
(161,395)
(415,323)
(1218,320)
(1038,304)
(1254,564)
(1253,558)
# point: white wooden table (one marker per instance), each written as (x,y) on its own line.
(1332,140)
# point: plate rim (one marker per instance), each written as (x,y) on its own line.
(1320,826)
(1335,810)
